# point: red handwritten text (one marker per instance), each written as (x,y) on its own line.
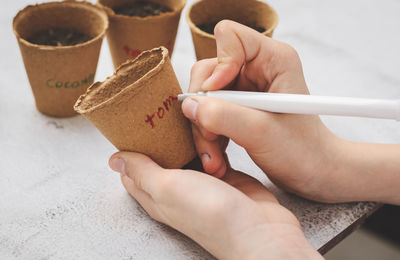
(131,52)
(161,111)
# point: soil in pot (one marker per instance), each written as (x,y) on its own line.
(209,27)
(141,9)
(58,37)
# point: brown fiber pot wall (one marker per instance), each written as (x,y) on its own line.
(250,12)
(59,75)
(136,109)
(129,36)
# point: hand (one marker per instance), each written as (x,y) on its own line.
(297,152)
(232,218)
(291,149)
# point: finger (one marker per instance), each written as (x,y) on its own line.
(201,71)
(205,133)
(210,154)
(144,172)
(230,120)
(236,45)
(143,198)
(250,186)
(250,79)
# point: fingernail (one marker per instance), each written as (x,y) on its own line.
(205,158)
(189,107)
(118,165)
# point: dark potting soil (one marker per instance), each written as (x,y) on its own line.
(141,9)
(209,27)
(58,37)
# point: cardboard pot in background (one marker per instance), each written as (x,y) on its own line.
(137,110)
(249,12)
(128,36)
(59,75)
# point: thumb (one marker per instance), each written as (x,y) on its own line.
(236,44)
(245,126)
(144,172)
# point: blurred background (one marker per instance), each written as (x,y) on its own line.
(378,238)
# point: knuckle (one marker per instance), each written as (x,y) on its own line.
(222,26)
(137,180)
(135,175)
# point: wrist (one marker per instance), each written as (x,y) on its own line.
(280,241)
(365,172)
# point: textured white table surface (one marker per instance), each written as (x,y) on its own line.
(59,199)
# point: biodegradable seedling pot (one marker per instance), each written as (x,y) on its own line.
(58,75)
(128,36)
(249,12)
(137,110)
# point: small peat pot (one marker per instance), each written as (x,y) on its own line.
(60,45)
(140,25)
(203,15)
(137,110)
